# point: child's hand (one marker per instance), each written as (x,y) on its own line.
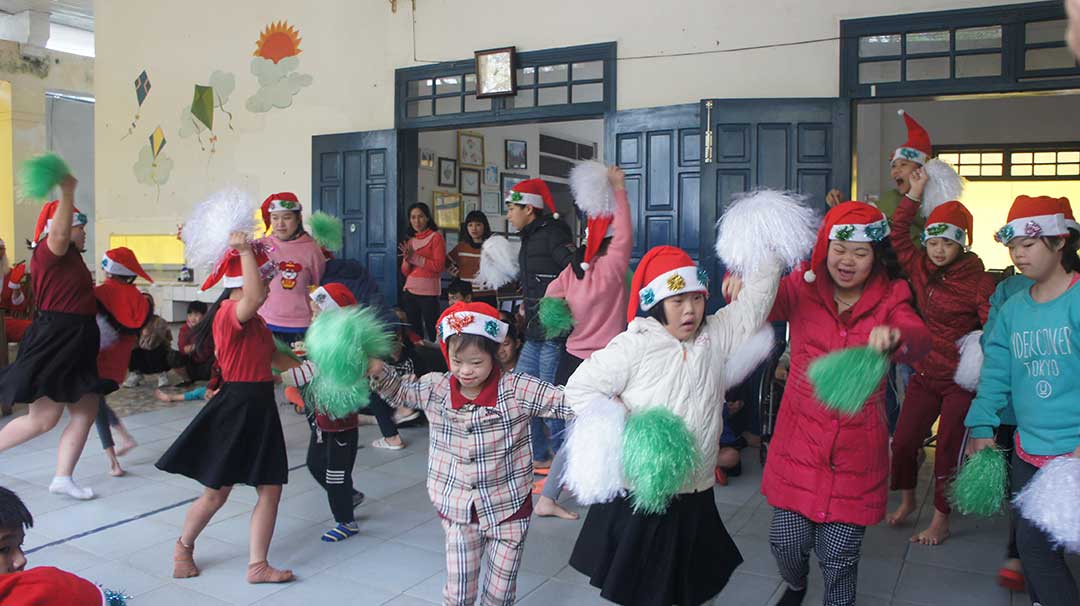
(884,338)
(833,197)
(918,181)
(616,178)
(974,445)
(375,367)
(240,242)
(731,287)
(67,186)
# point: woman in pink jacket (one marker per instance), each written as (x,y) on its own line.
(827,472)
(423,258)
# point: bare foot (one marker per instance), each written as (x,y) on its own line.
(936,533)
(548,508)
(184,561)
(906,508)
(114,465)
(126,444)
(262,572)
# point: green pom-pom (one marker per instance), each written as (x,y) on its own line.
(979,488)
(845,379)
(659,456)
(327,230)
(555,317)
(339,342)
(40,174)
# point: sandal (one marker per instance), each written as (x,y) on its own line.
(383,444)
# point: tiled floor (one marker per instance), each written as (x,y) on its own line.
(124,538)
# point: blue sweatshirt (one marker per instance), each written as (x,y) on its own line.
(1030,360)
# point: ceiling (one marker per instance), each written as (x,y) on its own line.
(73,13)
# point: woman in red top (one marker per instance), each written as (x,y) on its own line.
(57,363)
(465,257)
(236,438)
(423,258)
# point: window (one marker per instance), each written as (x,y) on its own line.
(153,249)
(1035,162)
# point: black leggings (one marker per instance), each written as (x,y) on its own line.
(384,415)
(422,312)
(331,464)
(105,421)
(150,361)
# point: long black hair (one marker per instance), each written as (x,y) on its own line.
(204,330)
(424,208)
(579,257)
(473,217)
(1070,261)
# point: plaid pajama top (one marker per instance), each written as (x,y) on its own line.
(480,456)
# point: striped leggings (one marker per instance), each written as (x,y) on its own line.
(837,546)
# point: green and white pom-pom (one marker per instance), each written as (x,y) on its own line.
(555,317)
(40,174)
(327,230)
(979,487)
(339,343)
(845,380)
(659,456)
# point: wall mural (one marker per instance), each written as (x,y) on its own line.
(276,59)
(198,118)
(142,89)
(154,167)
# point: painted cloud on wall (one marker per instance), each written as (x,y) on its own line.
(276,59)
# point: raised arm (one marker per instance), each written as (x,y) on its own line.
(254,292)
(59,238)
(731,325)
(622,242)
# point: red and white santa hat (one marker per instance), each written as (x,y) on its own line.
(595,197)
(951,220)
(333,295)
(917,147)
(470,319)
(231,274)
(15,275)
(121,261)
(847,222)
(285,200)
(664,271)
(1036,217)
(11,292)
(535,193)
(45,219)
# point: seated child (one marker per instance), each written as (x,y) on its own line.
(459,291)
(191,363)
(151,355)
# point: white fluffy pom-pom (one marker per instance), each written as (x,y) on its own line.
(592,192)
(206,233)
(748,356)
(498,262)
(944,186)
(764,226)
(971,359)
(108,333)
(594,451)
(1049,501)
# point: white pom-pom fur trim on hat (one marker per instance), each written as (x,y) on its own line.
(679,281)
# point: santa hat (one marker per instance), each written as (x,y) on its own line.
(535,193)
(15,275)
(230,272)
(917,147)
(285,200)
(847,222)
(470,319)
(1035,217)
(12,296)
(664,271)
(45,219)
(952,221)
(1070,220)
(333,295)
(594,196)
(121,261)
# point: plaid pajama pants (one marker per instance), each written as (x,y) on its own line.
(837,546)
(467,545)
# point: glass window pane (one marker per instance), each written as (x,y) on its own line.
(1021,158)
(977,66)
(991,170)
(928,69)
(878,46)
(470,83)
(447,84)
(928,42)
(472,104)
(588,93)
(418,109)
(879,71)
(969,170)
(552,96)
(1023,170)
(524,98)
(418,88)
(593,70)
(1068,156)
(552,73)
(970,158)
(526,76)
(1068,169)
(1044,31)
(1045,157)
(448,105)
(953,159)
(978,37)
(1045,170)
(1049,58)
(994,158)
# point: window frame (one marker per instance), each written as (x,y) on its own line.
(1007,149)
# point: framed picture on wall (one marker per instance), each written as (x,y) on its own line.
(470,182)
(495,72)
(447,206)
(508,181)
(517,154)
(447,172)
(491,203)
(471,149)
(469,204)
(427,159)
(491,175)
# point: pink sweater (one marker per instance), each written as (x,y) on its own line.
(598,301)
(423,266)
(300,264)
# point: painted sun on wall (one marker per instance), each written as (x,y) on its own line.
(276,59)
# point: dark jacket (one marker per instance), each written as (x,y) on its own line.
(546,248)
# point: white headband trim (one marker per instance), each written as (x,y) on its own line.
(516,197)
(946,230)
(289,205)
(909,153)
(472,323)
(678,281)
(858,232)
(115,268)
(1039,226)
(323,299)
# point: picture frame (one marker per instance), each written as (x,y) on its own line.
(517,154)
(491,175)
(469,204)
(469,181)
(496,75)
(508,181)
(491,203)
(447,208)
(427,159)
(447,172)
(471,149)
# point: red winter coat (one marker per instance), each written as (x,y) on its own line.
(954,300)
(825,465)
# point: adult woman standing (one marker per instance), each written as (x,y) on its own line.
(423,258)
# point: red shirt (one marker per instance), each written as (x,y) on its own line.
(199,355)
(244,351)
(112,363)
(63,283)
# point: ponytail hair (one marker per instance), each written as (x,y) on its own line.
(204,330)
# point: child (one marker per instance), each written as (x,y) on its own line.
(237,436)
(479,466)
(13,299)
(465,257)
(460,291)
(423,258)
(510,348)
(952,291)
(827,471)
(191,363)
(300,264)
(57,363)
(151,356)
(1030,363)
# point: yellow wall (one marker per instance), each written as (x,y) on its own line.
(989,203)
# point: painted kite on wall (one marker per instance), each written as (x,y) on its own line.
(197,118)
(154,167)
(142,89)
(274,64)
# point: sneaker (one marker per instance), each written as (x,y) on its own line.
(163,379)
(132,379)
(407,417)
(382,443)
(340,533)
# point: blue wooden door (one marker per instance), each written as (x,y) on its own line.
(354,177)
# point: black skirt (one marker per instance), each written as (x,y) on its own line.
(57,360)
(235,439)
(684,556)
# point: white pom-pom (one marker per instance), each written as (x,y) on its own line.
(748,356)
(764,226)
(592,192)
(594,447)
(971,359)
(900,112)
(1049,501)
(945,185)
(108,333)
(498,262)
(809,276)
(584,266)
(206,233)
